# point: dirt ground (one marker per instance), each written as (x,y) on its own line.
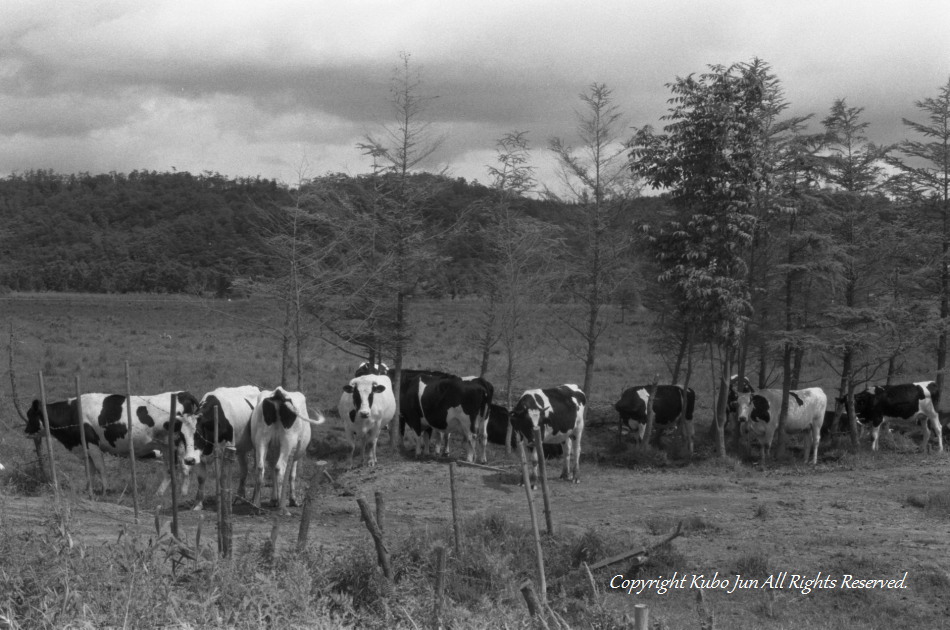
(802,518)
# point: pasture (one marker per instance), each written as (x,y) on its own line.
(871,516)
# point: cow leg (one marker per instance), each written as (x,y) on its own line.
(260,457)
(566,468)
(201,473)
(293,484)
(875,434)
(689,432)
(98,467)
(934,423)
(481,437)
(374,438)
(577,457)
(242,472)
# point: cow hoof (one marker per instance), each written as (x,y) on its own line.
(577,480)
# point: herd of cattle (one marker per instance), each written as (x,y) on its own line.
(275,424)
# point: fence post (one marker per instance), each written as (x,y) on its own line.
(225,498)
(641,617)
(382,553)
(82,437)
(217,454)
(439,581)
(310,499)
(380,512)
(455,509)
(539,553)
(171,462)
(49,440)
(542,473)
(128,407)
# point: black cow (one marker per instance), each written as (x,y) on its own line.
(559,413)
(669,402)
(907,400)
(446,403)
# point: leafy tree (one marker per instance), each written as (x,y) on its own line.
(925,180)
(709,158)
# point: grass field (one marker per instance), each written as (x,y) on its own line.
(873,516)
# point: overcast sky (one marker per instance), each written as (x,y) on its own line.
(280,88)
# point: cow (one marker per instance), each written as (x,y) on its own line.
(669,403)
(373,368)
(559,413)
(499,418)
(280,433)
(760,410)
(366,406)
(907,400)
(445,403)
(105,423)
(234,406)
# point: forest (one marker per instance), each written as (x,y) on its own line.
(756,237)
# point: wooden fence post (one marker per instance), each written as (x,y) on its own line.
(439,580)
(128,407)
(218,452)
(49,441)
(224,534)
(382,553)
(542,474)
(310,499)
(380,512)
(171,461)
(455,509)
(539,553)
(82,437)
(641,617)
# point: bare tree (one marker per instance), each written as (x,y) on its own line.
(599,183)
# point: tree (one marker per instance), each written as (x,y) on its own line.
(925,179)
(399,200)
(600,183)
(709,158)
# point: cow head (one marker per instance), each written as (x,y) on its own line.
(751,407)
(363,390)
(530,409)
(185,427)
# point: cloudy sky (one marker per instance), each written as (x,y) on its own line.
(284,88)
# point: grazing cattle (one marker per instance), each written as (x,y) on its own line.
(106,425)
(669,403)
(445,403)
(280,433)
(559,413)
(234,406)
(366,406)
(908,400)
(760,409)
(372,368)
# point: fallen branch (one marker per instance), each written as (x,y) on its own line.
(645,553)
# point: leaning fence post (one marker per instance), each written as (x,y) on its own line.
(542,474)
(439,580)
(380,512)
(49,441)
(539,553)
(171,462)
(82,436)
(382,553)
(455,509)
(128,406)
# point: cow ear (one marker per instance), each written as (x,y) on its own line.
(348,388)
(378,388)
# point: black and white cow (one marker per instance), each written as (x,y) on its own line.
(366,406)
(445,403)
(233,406)
(669,403)
(499,419)
(372,368)
(105,423)
(908,400)
(559,413)
(280,433)
(760,411)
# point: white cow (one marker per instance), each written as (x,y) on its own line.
(366,406)
(760,409)
(280,433)
(234,406)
